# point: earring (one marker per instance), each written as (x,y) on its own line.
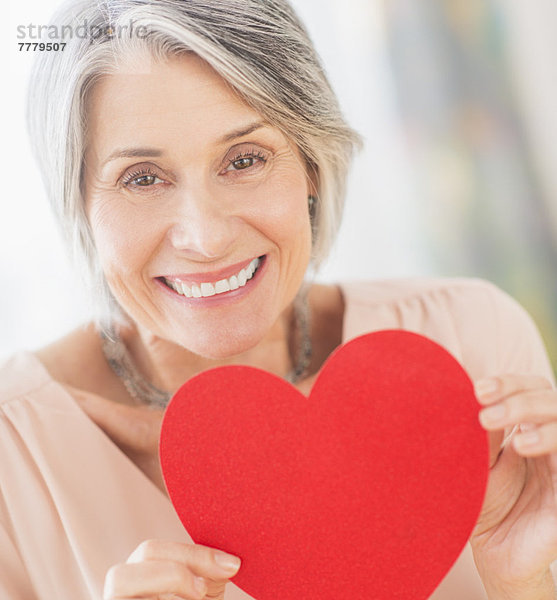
(311,203)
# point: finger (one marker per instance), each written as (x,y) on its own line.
(153,578)
(536,441)
(207,562)
(493,389)
(133,427)
(527,407)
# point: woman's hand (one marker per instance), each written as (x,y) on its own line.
(515,539)
(171,571)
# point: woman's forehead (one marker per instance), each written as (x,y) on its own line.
(182,96)
(179,83)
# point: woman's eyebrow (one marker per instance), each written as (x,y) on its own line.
(245,130)
(133,153)
(156,152)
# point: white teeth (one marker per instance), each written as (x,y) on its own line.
(219,287)
(222,286)
(184,289)
(207,289)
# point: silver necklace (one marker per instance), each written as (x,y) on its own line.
(146,393)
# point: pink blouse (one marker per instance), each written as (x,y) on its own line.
(72,504)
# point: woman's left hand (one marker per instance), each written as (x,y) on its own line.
(515,539)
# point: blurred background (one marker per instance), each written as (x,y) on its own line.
(456,101)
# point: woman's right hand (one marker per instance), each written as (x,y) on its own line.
(170,570)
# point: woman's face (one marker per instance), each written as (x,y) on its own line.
(187,191)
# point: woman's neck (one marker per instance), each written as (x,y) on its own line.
(168,365)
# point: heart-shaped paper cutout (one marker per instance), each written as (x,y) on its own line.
(369,488)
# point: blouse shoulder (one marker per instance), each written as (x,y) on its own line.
(481,325)
(21,375)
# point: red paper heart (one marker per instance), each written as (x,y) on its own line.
(368,489)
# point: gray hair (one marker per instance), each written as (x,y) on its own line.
(258,46)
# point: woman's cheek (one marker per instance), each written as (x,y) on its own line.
(121,237)
(284,211)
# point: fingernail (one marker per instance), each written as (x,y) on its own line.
(526,426)
(227,561)
(493,414)
(200,585)
(528,439)
(486,386)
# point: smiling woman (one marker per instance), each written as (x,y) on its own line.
(198,172)
(230,194)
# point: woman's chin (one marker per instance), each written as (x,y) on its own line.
(223,345)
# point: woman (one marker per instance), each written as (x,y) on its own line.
(198,169)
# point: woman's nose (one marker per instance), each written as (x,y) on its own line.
(202,226)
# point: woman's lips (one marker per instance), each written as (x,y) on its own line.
(209,276)
(207,285)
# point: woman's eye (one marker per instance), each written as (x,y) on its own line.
(142,180)
(243,163)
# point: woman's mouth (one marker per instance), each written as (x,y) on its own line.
(214,288)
